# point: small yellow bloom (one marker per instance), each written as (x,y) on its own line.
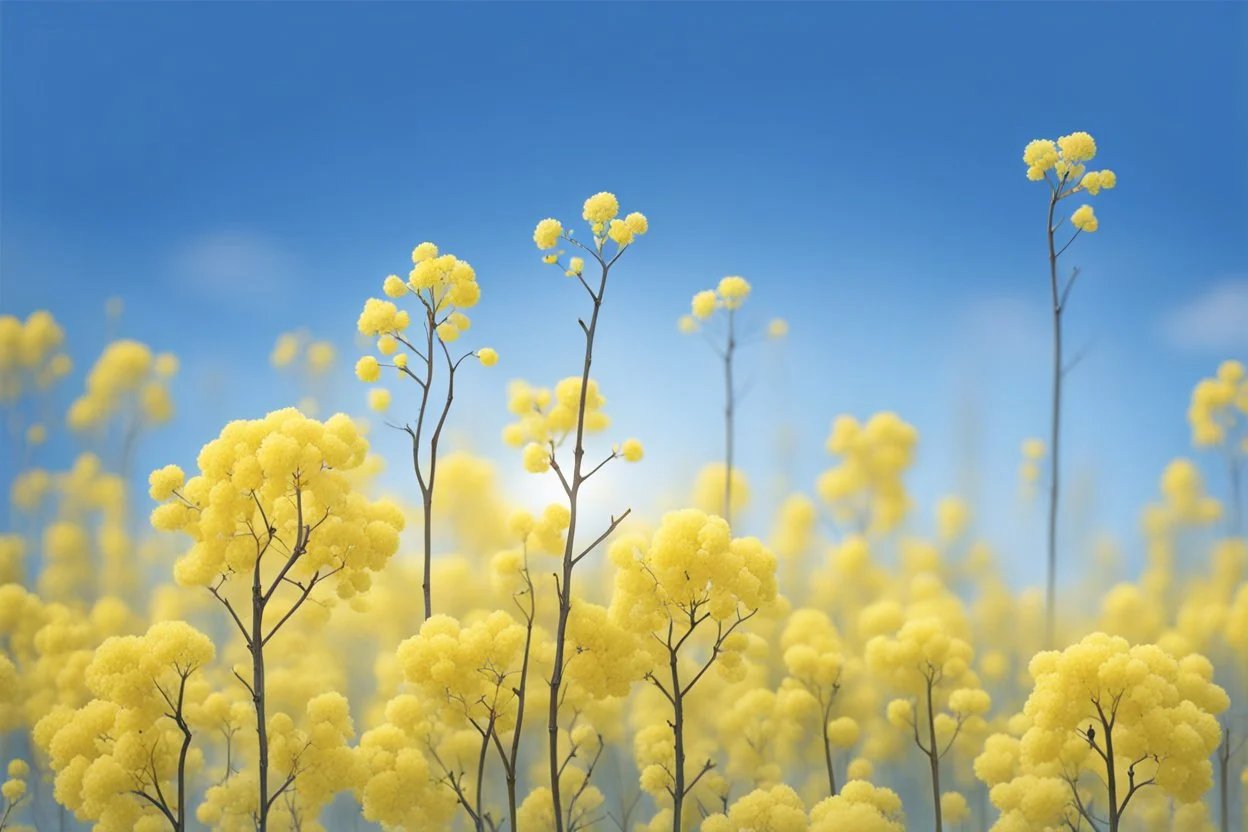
(487,356)
(778,328)
(536,458)
(637,223)
(379,399)
(1077,147)
(367,369)
(423,252)
(547,233)
(704,304)
(734,291)
(394,286)
(601,208)
(1084,219)
(631,450)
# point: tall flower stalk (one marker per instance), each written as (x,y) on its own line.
(444,286)
(1061,165)
(600,211)
(728,296)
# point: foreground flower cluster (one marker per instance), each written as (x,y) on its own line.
(276,654)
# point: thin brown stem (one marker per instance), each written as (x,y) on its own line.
(1050,598)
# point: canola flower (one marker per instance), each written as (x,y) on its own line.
(1062,165)
(444,286)
(118,760)
(692,573)
(272,508)
(601,211)
(727,297)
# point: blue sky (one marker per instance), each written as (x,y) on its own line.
(234,170)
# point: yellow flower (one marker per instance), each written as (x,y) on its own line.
(602,207)
(379,399)
(164,481)
(1039,156)
(487,356)
(367,369)
(1077,147)
(547,233)
(733,291)
(631,450)
(423,252)
(394,286)
(1084,219)
(778,328)
(620,232)
(704,304)
(637,223)
(536,458)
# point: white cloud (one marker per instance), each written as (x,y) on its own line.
(233,264)
(1215,321)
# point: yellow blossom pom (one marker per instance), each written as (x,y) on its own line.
(733,291)
(547,233)
(394,286)
(367,369)
(637,223)
(1077,147)
(704,304)
(487,356)
(423,252)
(601,208)
(165,481)
(379,399)
(631,450)
(1084,219)
(536,458)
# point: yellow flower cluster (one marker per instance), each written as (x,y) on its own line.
(318,356)
(866,490)
(127,378)
(31,349)
(280,478)
(601,211)
(14,788)
(400,787)
(692,563)
(128,738)
(1219,409)
(1100,703)
(777,809)
(546,420)
(472,665)
(1065,158)
(729,295)
(859,806)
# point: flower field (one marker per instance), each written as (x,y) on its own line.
(271,640)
